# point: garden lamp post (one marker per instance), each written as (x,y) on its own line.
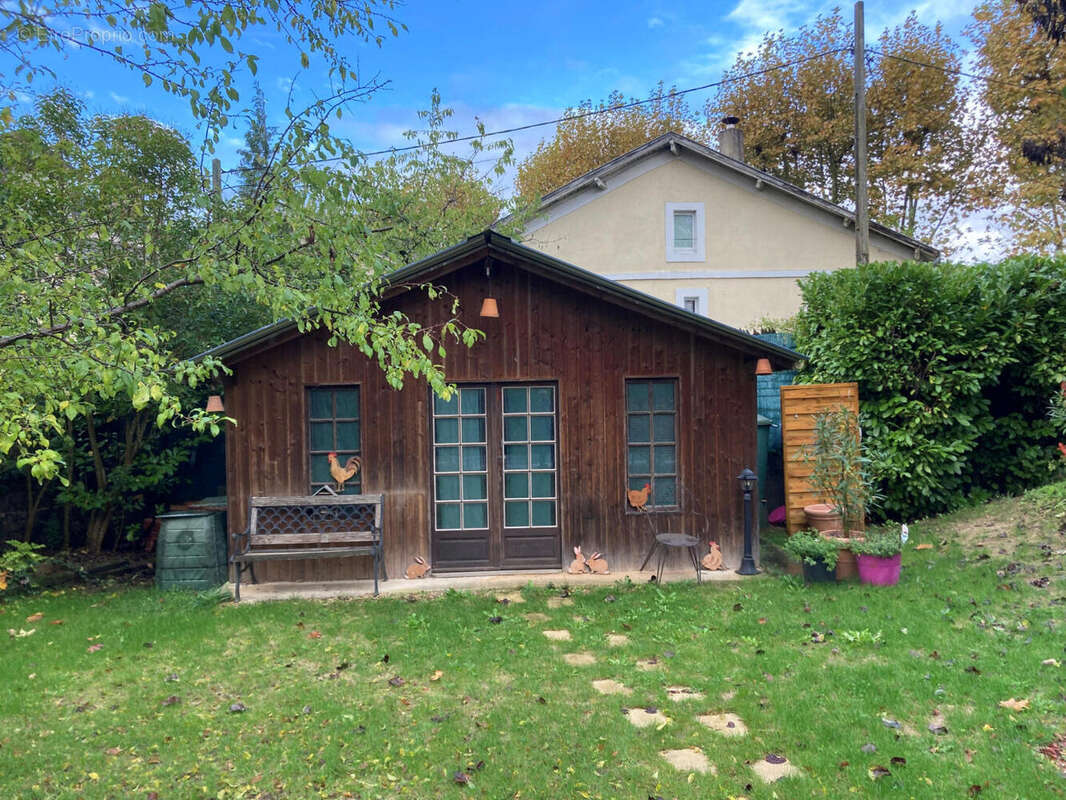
(747,480)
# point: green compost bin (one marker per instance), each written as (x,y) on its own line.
(764,424)
(191,551)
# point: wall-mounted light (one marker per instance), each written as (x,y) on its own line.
(762,367)
(214,404)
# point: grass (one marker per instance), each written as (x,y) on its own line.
(813,671)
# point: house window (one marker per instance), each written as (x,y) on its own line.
(651,439)
(333,423)
(460,461)
(685,232)
(692,299)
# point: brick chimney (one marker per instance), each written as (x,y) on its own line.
(731,139)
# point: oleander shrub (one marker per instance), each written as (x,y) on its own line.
(955,364)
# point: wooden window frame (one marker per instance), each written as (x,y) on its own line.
(651,475)
(342,455)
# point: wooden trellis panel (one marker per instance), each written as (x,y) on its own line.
(799,404)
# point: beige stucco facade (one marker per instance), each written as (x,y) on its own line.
(757,240)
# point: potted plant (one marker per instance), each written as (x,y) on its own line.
(839,474)
(879,557)
(817,555)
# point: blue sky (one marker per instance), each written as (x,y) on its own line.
(506,64)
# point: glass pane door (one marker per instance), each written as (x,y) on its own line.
(529,450)
(460,461)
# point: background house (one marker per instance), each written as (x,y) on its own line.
(582,388)
(703,230)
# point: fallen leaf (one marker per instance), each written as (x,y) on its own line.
(437,675)
(238,708)
(969,755)
(987,727)
(171,700)
(35,617)
(890,723)
(113,751)
(762,620)
(869,747)
(1051,662)
(937,729)
(1014,705)
(496,620)
(94,647)
(898,761)
(56,622)
(461,778)
(20,633)
(923,546)
(877,771)
(396,681)
(314,635)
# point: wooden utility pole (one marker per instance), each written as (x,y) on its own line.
(862,210)
(216,178)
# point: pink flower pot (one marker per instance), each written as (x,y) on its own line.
(879,571)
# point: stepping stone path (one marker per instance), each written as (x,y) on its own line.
(559,602)
(608,686)
(537,616)
(558,636)
(617,640)
(645,718)
(648,664)
(774,768)
(726,724)
(510,597)
(691,759)
(579,659)
(681,693)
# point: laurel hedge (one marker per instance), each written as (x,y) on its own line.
(955,366)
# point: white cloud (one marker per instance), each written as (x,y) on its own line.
(118,98)
(655,22)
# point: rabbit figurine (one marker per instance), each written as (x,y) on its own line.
(713,560)
(578,565)
(598,564)
(418,569)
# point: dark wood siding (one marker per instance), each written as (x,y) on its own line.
(546,331)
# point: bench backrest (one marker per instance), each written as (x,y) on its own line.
(316,519)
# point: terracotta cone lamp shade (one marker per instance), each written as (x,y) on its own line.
(488,307)
(214,404)
(762,367)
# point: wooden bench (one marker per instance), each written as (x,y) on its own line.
(318,526)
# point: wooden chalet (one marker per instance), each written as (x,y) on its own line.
(582,389)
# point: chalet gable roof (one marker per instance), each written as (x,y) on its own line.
(490,243)
(676,143)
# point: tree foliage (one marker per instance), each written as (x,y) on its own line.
(798,120)
(99,235)
(954,366)
(1026,77)
(593,134)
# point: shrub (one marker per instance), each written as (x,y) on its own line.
(812,548)
(954,366)
(17,563)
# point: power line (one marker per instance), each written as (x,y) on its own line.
(591,113)
(961,73)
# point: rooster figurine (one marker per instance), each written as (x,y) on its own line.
(638,498)
(343,474)
(713,560)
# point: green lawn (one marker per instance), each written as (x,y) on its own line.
(131,695)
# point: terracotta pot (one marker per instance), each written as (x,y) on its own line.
(847,568)
(821,517)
